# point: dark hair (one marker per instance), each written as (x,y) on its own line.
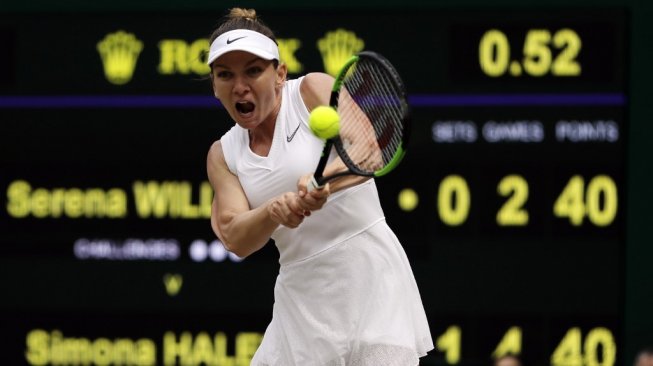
(239,18)
(645,351)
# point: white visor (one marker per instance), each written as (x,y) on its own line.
(243,40)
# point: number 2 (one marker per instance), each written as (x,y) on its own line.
(512,212)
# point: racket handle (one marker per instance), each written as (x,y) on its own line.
(312,185)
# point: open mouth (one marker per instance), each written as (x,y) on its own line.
(245,107)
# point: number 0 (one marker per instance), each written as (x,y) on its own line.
(494,53)
(453,200)
(601,185)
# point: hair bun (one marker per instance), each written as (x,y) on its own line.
(249,14)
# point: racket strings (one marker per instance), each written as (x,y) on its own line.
(387,127)
(373,109)
(383,105)
(358,136)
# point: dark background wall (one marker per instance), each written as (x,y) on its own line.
(636,269)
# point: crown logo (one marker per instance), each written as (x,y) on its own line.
(337,47)
(119,52)
(287,49)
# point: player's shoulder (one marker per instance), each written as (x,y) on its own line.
(215,152)
(316,82)
(316,89)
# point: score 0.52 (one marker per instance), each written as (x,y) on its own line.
(543,53)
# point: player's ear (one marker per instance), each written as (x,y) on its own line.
(282,73)
(215,90)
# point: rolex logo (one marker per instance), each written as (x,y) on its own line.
(337,47)
(119,52)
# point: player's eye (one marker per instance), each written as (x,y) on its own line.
(254,71)
(224,75)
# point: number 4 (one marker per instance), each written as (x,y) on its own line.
(510,343)
(571,202)
(568,352)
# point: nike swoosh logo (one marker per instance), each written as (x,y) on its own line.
(289,138)
(230,41)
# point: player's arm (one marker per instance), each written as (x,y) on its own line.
(316,91)
(243,230)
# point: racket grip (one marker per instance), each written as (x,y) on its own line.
(312,185)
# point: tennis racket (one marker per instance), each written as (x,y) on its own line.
(370,98)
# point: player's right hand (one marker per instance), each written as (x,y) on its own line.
(286,210)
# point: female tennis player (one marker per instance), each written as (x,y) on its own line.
(345,293)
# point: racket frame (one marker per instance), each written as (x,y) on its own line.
(319,180)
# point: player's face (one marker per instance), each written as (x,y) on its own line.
(248,86)
(644,360)
(508,361)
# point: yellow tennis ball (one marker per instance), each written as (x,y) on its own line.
(324,121)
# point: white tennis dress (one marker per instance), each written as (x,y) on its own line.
(345,294)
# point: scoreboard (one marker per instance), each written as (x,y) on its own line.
(510,202)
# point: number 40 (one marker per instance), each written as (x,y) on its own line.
(575,202)
(570,353)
